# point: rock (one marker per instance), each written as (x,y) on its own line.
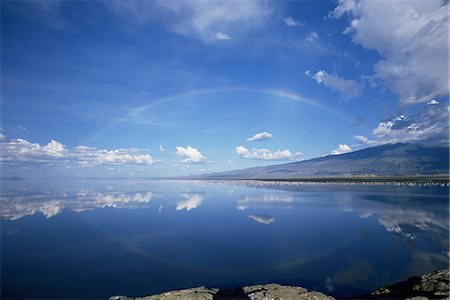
(254,292)
(434,285)
(276,291)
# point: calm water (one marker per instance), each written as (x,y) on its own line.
(97,238)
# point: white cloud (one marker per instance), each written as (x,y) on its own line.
(433,102)
(55,148)
(400,129)
(346,87)
(21,151)
(343,148)
(202,19)
(412,38)
(2,137)
(263,219)
(190,202)
(266,154)
(222,36)
(161,148)
(364,140)
(433,127)
(230,163)
(88,156)
(260,137)
(192,154)
(291,22)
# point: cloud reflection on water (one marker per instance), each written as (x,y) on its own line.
(263,219)
(190,202)
(16,206)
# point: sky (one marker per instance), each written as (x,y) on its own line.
(168,88)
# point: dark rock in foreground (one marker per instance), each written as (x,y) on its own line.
(254,292)
(434,285)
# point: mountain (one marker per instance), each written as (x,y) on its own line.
(385,160)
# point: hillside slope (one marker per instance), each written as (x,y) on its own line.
(385,160)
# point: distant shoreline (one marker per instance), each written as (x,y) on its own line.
(417,180)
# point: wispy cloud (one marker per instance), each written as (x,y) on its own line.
(364,140)
(312,37)
(260,137)
(346,87)
(266,154)
(192,154)
(412,38)
(342,148)
(222,36)
(206,20)
(291,22)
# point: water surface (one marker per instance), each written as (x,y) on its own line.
(96,238)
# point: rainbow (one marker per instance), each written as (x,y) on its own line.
(273,92)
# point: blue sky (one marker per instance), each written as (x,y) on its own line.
(163,88)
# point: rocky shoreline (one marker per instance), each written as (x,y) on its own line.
(434,285)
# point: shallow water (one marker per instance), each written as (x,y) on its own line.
(96,238)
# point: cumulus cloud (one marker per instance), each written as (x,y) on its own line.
(412,38)
(266,154)
(190,202)
(401,129)
(260,137)
(343,148)
(192,154)
(263,219)
(202,20)
(346,87)
(20,151)
(431,126)
(88,156)
(291,22)
(433,102)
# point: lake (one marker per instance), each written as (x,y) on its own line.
(94,238)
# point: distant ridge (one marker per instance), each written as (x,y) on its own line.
(386,160)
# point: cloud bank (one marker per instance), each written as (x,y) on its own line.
(412,38)
(20,151)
